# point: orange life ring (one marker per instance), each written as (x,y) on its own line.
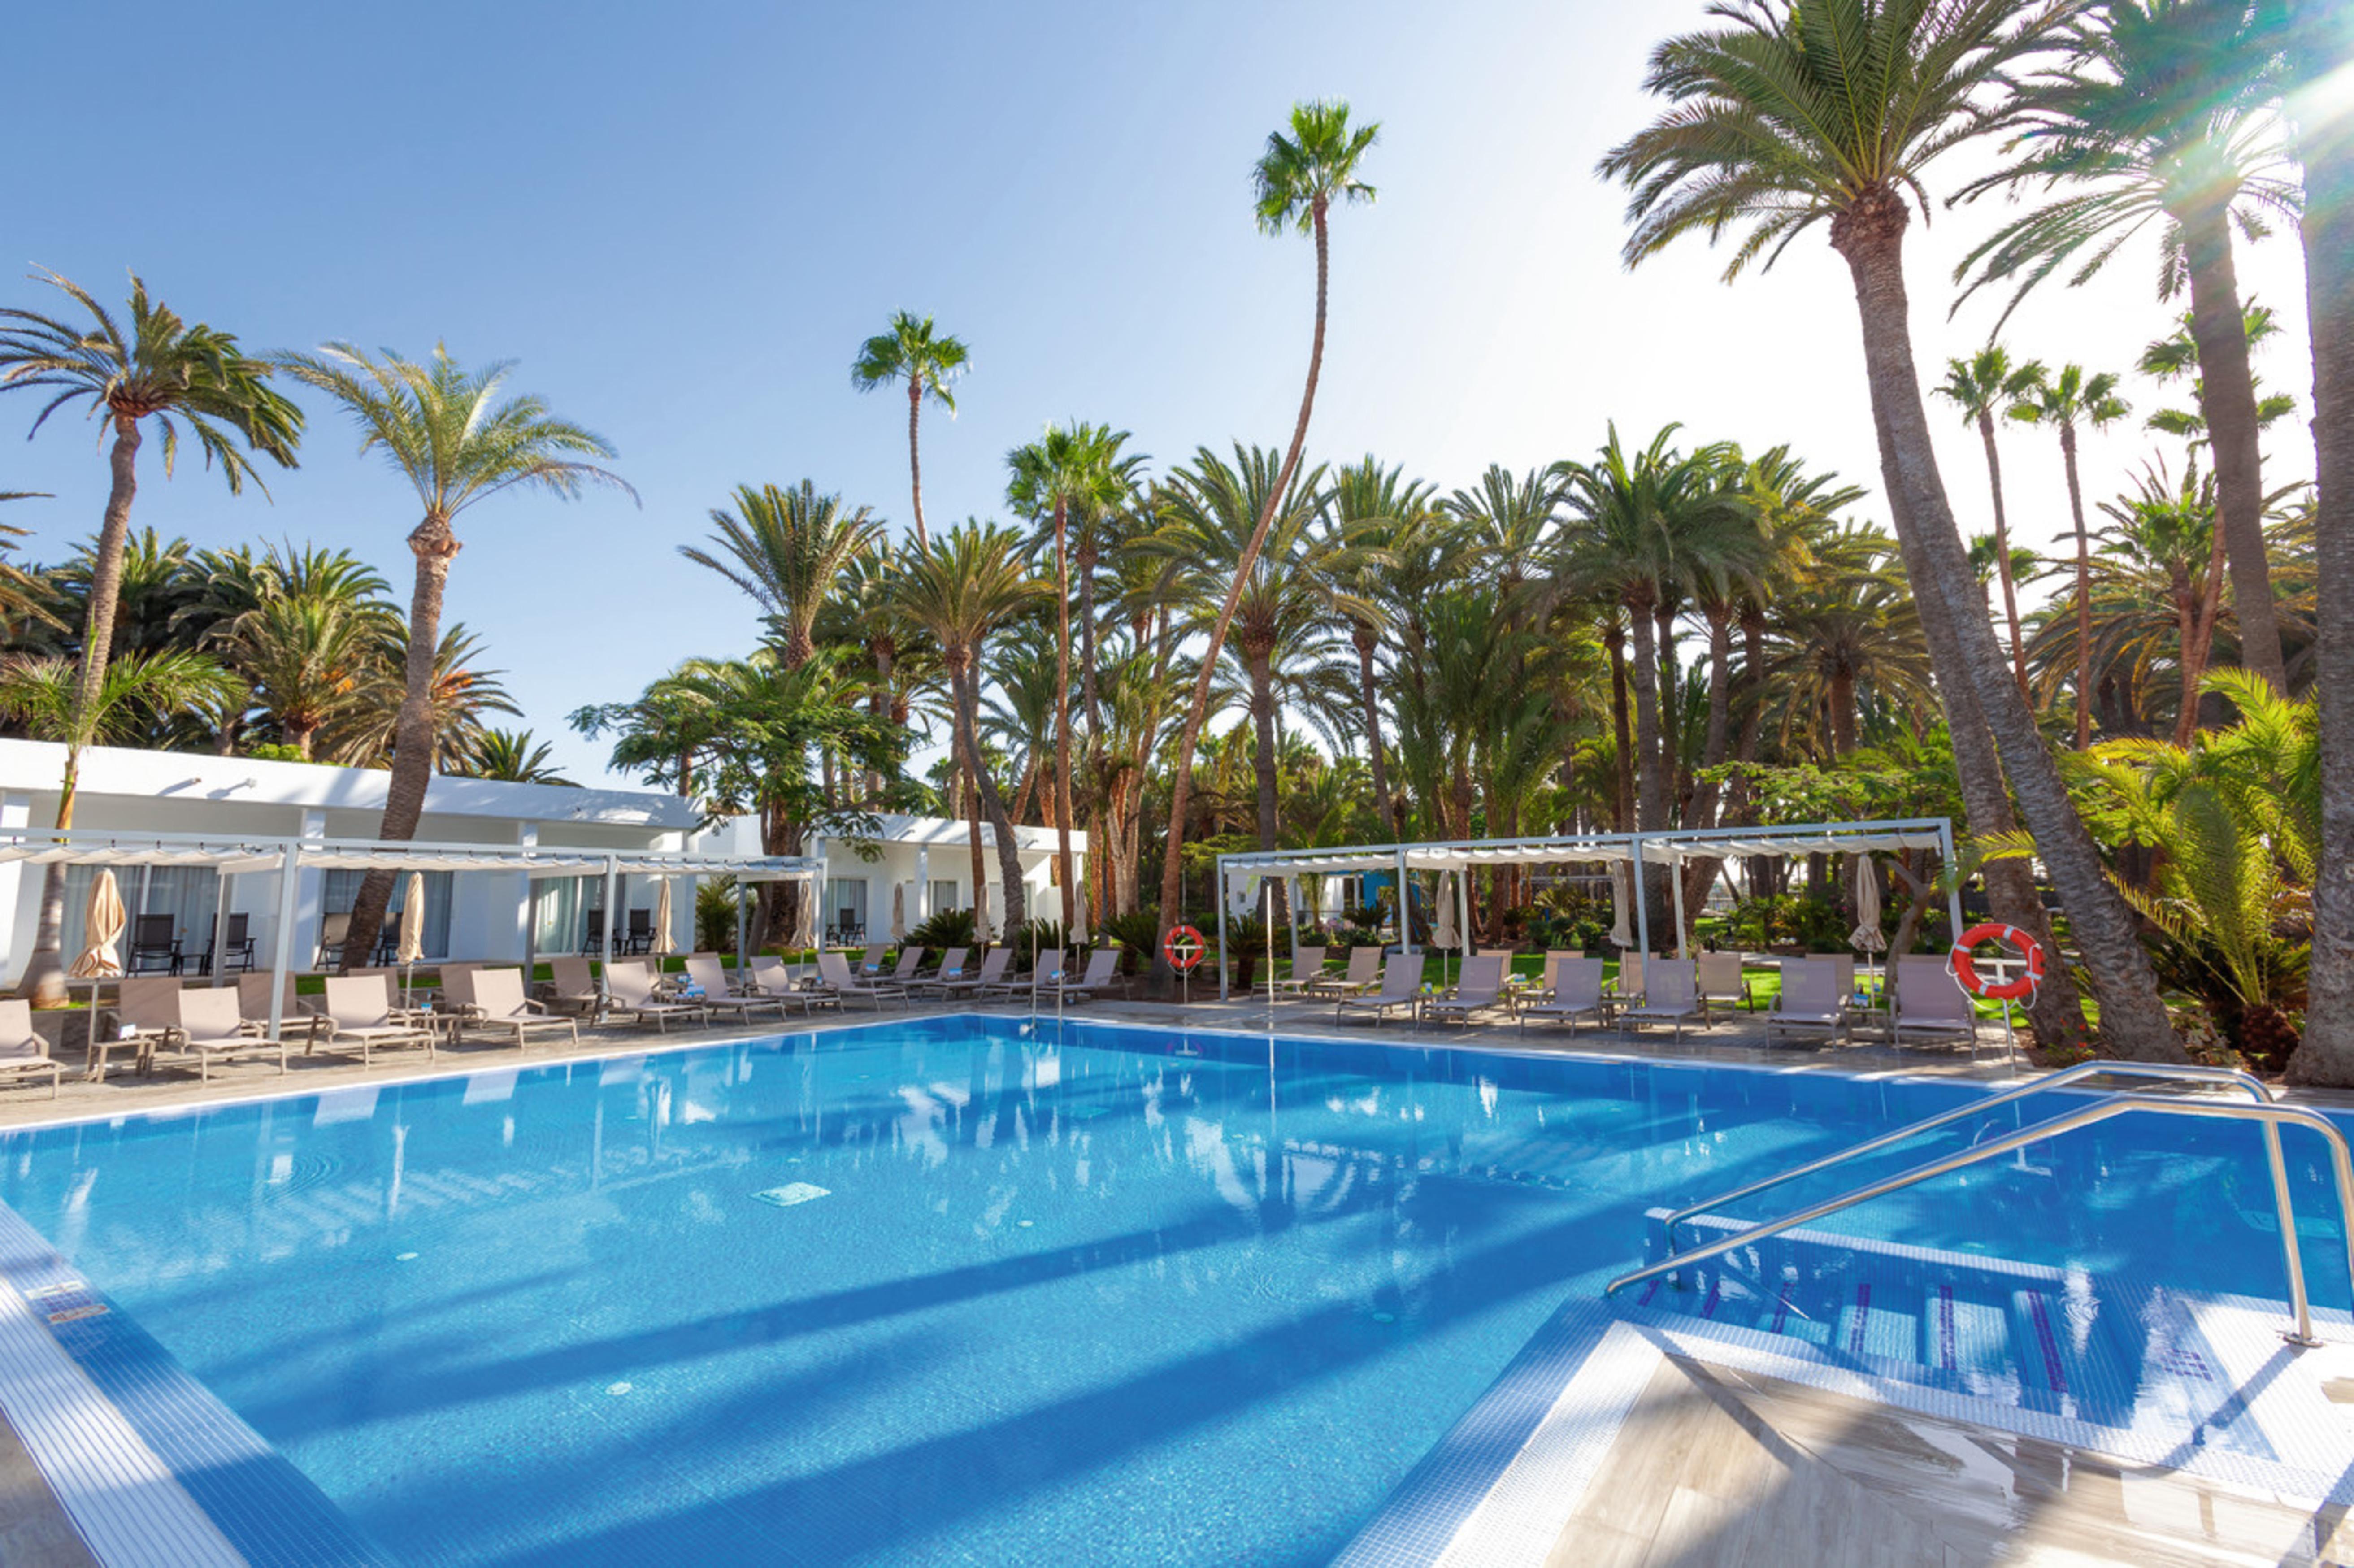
(1183,947)
(1965,968)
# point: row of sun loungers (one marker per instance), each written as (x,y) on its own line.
(1671,992)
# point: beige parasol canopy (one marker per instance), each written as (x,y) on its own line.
(1867,936)
(663,946)
(1442,932)
(102,924)
(898,911)
(412,920)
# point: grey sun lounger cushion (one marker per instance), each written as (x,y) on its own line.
(708,975)
(834,970)
(1670,996)
(993,969)
(1479,990)
(496,1004)
(209,1028)
(1307,970)
(1401,988)
(1811,999)
(1363,974)
(1576,992)
(1100,965)
(1930,1001)
(630,985)
(21,1049)
(358,1010)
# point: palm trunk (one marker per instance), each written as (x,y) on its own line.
(2002,548)
(1100,893)
(2084,593)
(1623,763)
(44,983)
(2227,396)
(972,820)
(1061,783)
(1363,637)
(914,460)
(1842,713)
(1650,781)
(433,545)
(1173,862)
(1258,659)
(967,692)
(1869,235)
(2327,1055)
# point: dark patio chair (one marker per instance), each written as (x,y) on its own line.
(388,940)
(152,946)
(592,935)
(332,929)
(236,946)
(642,931)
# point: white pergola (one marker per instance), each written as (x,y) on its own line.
(1668,847)
(234,857)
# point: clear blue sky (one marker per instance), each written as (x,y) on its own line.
(680,221)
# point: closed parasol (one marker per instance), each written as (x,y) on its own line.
(102,922)
(662,945)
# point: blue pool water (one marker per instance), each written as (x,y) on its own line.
(951,1291)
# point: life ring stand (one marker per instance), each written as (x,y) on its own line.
(1963,965)
(1183,947)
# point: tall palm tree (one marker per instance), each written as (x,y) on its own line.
(1639,521)
(45,695)
(1789,116)
(458,442)
(1388,514)
(2173,357)
(1289,570)
(2162,110)
(2060,402)
(911,350)
(1296,182)
(2318,40)
(1072,467)
(460,700)
(1981,386)
(155,366)
(788,549)
(964,589)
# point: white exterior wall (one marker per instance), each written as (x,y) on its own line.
(138,792)
(912,853)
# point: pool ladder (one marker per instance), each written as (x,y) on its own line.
(2259,1107)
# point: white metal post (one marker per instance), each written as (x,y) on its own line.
(282,971)
(612,893)
(1675,883)
(1642,908)
(217,959)
(1220,900)
(1405,908)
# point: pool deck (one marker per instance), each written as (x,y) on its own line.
(1702,1465)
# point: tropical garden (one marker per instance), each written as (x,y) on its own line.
(2146,735)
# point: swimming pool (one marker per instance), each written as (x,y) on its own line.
(965,1290)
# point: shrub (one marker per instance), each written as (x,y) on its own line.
(715,915)
(942,929)
(1139,936)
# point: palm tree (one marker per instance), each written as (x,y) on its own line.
(1212,519)
(2318,40)
(45,695)
(962,589)
(460,698)
(2060,402)
(1071,469)
(1387,513)
(2163,109)
(514,756)
(2173,357)
(455,440)
(929,362)
(1794,115)
(177,374)
(788,549)
(1296,181)
(306,659)
(1980,386)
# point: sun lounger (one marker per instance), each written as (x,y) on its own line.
(629,988)
(1930,1002)
(207,1025)
(1363,974)
(1629,987)
(1576,991)
(1307,971)
(572,988)
(1401,988)
(1479,990)
(870,962)
(1048,971)
(1101,963)
(1670,996)
(963,983)
(709,976)
(294,1014)
(833,972)
(495,1003)
(951,966)
(771,980)
(1810,1000)
(1721,979)
(357,1011)
(144,1009)
(21,1049)
(903,971)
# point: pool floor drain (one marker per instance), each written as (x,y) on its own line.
(792,1193)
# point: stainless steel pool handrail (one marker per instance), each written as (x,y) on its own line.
(2273,1116)
(2221,1077)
